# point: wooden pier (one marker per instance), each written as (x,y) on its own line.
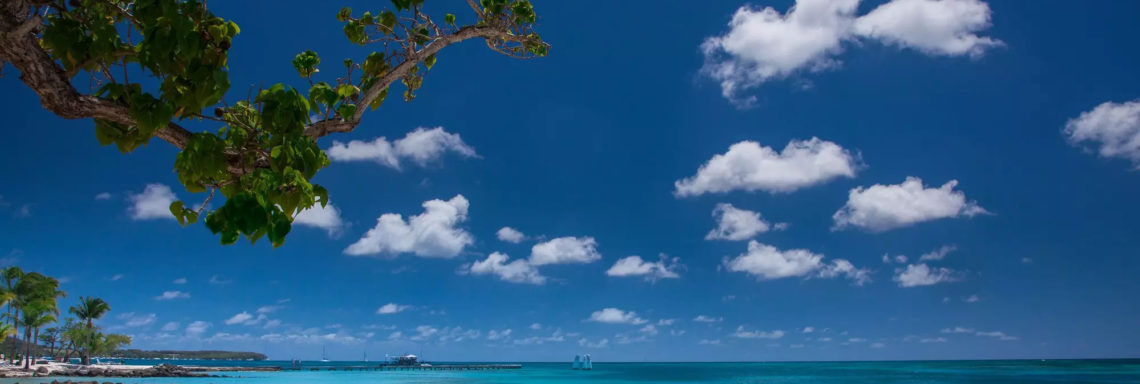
(441,367)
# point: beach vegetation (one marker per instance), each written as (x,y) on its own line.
(157,66)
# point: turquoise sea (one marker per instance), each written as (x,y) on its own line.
(981,372)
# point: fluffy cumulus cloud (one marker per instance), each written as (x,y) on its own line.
(1110,129)
(434,233)
(152,203)
(615,316)
(565,250)
(422,146)
(562,250)
(743,333)
(748,166)
(391,308)
(707,319)
(510,235)
(934,27)
(736,224)
(880,208)
(172,295)
(197,328)
(763,44)
(131,319)
(937,254)
(517,271)
(240,318)
(917,275)
(665,268)
(326,218)
(766,262)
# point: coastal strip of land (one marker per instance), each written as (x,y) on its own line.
(161,370)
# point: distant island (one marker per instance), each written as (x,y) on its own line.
(188,355)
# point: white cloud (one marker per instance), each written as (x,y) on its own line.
(767,262)
(750,167)
(327,218)
(131,319)
(603,343)
(957,329)
(216,280)
(763,45)
(510,235)
(633,266)
(615,316)
(517,271)
(648,329)
(707,319)
(422,146)
(239,318)
(997,335)
(1113,129)
(103,196)
(497,335)
(180,280)
(917,275)
(433,233)
(171,295)
(536,326)
(556,337)
(268,308)
(197,328)
(934,27)
(742,333)
(736,224)
(171,326)
(885,207)
(937,254)
(933,340)
(709,342)
(152,203)
(841,267)
(116,277)
(390,308)
(808,329)
(565,250)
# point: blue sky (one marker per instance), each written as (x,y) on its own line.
(998,139)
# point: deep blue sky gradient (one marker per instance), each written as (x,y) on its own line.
(592,140)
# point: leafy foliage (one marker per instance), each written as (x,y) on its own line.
(264,156)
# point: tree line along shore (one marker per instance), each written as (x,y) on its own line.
(40,338)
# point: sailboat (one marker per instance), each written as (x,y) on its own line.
(587,364)
(324,356)
(577,362)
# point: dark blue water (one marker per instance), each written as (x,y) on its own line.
(914,372)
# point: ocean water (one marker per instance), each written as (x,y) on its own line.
(925,372)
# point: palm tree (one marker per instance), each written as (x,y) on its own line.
(11,275)
(89,309)
(37,303)
(33,317)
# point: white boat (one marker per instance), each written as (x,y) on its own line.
(577,362)
(587,364)
(324,356)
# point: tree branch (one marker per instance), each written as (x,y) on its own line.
(325,127)
(48,80)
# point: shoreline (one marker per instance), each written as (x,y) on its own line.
(131,371)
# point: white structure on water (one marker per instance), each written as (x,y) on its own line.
(582,362)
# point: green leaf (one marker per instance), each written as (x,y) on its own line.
(306,63)
(449,19)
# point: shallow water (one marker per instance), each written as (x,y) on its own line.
(1020,371)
